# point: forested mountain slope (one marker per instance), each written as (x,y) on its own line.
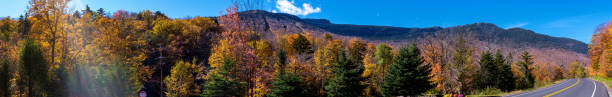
(513,37)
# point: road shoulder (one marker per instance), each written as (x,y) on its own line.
(605,84)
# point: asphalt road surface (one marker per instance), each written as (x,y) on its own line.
(569,88)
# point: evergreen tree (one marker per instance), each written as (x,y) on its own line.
(526,61)
(506,82)
(24,25)
(218,86)
(282,59)
(87,10)
(34,70)
(221,84)
(408,75)
(287,84)
(5,77)
(101,12)
(488,71)
(347,79)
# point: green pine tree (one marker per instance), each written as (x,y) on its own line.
(409,75)
(346,82)
(529,79)
(488,71)
(287,84)
(218,86)
(34,70)
(506,82)
(5,77)
(221,84)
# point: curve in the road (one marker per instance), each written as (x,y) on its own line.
(569,88)
(542,90)
(559,91)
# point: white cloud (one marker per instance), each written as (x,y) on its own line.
(286,6)
(76,5)
(517,25)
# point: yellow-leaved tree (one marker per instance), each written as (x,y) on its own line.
(48,19)
(265,70)
(222,50)
(600,51)
(369,63)
(181,82)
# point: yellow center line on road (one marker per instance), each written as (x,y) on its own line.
(557,92)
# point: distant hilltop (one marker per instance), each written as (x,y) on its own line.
(487,32)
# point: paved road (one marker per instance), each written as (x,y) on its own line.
(569,88)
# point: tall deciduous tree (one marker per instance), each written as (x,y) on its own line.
(384,57)
(357,50)
(408,75)
(600,50)
(369,63)
(181,82)
(301,44)
(7,26)
(49,16)
(576,70)
(462,60)
(265,70)
(220,52)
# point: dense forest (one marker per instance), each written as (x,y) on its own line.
(600,51)
(53,51)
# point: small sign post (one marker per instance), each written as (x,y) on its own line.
(142,94)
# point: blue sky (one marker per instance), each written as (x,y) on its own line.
(576,19)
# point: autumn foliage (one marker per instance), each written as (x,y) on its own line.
(54,51)
(600,51)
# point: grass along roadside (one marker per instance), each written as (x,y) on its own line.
(605,80)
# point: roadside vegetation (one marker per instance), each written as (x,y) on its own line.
(600,54)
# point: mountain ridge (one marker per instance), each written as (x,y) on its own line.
(488,32)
